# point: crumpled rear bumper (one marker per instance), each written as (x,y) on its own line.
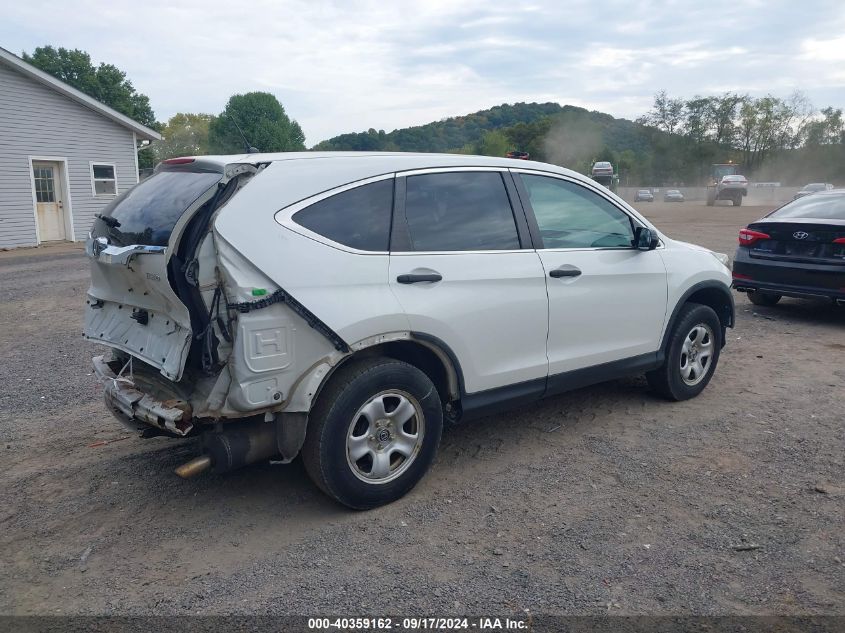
(138,410)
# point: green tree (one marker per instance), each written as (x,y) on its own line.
(493,143)
(264,122)
(185,134)
(105,83)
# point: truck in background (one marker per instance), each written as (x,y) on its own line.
(726,183)
(603,173)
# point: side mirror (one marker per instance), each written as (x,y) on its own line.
(645,239)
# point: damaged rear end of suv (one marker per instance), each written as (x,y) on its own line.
(174,303)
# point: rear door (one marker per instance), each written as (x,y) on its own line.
(466,274)
(607,300)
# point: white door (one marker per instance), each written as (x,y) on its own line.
(607,300)
(465,278)
(49,206)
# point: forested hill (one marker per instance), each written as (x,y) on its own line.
(452,134)
(566,135)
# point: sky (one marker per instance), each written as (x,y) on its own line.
(349,66)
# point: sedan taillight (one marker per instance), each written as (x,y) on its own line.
(747,237)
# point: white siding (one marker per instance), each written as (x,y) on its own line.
(38,121)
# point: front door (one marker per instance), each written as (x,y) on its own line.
(49,206)
(607,300)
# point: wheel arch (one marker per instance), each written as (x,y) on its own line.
(425,352)
(713,294)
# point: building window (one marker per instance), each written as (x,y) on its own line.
(104,179)
(44,185)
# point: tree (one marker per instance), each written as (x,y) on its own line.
(264,124)
(105,83)
(666,114)
(493,143)
(185,134)
(828,130)
(770,124)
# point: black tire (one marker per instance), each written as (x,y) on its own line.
(738,201)
(325,452)
(711,197)
(667,380)
(759,298)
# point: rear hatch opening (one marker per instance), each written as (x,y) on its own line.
(153,268)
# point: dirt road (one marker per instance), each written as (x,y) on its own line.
(602,500)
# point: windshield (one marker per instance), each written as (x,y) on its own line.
(723,170)
(821,207)
(147,213)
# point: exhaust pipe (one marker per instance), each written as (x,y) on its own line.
(194,467)
(233,448)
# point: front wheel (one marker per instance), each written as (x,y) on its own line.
(691,355)
(373,433)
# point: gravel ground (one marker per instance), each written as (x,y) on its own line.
(601,500)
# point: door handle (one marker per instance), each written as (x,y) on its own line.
(570,271)
(417,278)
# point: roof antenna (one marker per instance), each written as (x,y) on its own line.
(249,148)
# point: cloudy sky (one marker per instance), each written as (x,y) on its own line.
(340,66)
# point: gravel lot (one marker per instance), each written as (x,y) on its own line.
(602,500)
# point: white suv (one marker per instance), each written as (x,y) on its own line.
(345,305)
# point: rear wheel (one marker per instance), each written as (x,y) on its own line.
(759,298)
(711,196)
(691,355)
(738,201)
(373,433)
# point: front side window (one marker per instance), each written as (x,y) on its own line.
(571,216)
(358,218)
(104,178)
(459,211)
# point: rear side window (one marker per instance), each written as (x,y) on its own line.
(459,211)
(571,216)
(147,213)
(358,218)
(821,207)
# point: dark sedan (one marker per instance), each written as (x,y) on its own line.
(797,250)
(644,195)
(673,195)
